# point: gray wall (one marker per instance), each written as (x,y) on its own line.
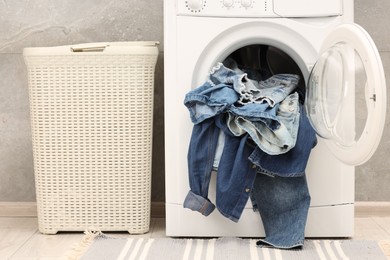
(50,23)
(373,178)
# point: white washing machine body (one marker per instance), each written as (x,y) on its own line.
(200,33)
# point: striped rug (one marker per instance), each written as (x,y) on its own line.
(108,248)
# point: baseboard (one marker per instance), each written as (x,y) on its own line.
(29,209)
(158,209)
(372,209)
(18,209)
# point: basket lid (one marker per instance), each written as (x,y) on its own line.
(131,47)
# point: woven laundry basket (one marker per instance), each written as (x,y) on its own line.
(91,111)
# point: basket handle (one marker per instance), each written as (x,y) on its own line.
(99,48)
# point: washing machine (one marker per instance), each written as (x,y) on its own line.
(341,72)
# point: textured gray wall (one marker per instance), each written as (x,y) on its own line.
(373,178)
(50,23)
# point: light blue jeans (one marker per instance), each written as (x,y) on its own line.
(272,90)
(293,163)
(272,127)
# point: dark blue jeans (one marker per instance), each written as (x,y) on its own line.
(280,190)
(283,204)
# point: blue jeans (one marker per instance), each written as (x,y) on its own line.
(273,129)
(209,100)
(271,91)
(283,204)
(293,163)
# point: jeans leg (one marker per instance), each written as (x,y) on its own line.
(283,204)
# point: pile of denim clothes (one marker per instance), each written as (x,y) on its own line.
(251,129)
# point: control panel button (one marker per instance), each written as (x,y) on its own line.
(246,3)
(228,3)
(195,5)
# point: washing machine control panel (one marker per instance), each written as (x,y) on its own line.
(226,8)
(259,8)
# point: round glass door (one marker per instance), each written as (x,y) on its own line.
(346,95)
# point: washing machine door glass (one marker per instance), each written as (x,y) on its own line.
(346,94)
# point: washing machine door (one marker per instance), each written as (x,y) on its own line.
(346,94)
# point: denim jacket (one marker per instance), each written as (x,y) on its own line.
(236,174)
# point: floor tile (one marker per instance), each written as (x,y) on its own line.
(12,239)
(40,245)
(384,223)
(367,228)
(158,228)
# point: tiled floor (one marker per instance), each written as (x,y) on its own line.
(20,239)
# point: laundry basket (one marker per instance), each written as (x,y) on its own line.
(91,111)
